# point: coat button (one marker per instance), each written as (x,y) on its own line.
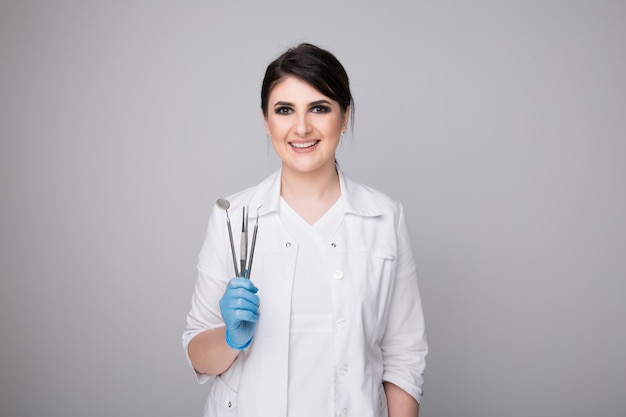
(343,371)
(341,323)
(334,245)
(288,244)
(342,413)
(338,274)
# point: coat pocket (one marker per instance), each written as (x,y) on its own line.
(222,400)
(368,277)
(371,272)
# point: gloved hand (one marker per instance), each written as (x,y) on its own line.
(240,310)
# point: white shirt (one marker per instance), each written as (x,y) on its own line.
(311,329)
(377,319)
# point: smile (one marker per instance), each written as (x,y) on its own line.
(304,144)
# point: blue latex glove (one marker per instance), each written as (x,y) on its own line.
(240,310)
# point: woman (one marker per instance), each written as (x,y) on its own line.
(330,322)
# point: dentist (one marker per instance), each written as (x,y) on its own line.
(331,321)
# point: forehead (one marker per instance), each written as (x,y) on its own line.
(294,89)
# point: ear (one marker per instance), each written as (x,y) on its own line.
(346,117)
(267,126)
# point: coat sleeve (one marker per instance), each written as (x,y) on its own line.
(404,345)
(213,276)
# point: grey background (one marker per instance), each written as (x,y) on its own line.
(499,124)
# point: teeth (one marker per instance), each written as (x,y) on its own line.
(303,145)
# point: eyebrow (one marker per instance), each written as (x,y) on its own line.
(314,103)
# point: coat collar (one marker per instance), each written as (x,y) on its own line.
(357,198)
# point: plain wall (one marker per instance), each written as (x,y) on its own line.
(499,124)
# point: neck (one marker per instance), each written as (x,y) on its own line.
(322,184)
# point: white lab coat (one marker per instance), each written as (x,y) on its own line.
(377,311)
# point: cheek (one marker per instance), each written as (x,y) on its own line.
(275,126)
(334,128)
(274,140)
(278,142)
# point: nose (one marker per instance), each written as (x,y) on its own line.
(303,126)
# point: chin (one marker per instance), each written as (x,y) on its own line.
(307,168)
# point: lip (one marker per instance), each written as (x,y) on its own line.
(304,146)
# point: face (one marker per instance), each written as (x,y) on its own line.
(304,125)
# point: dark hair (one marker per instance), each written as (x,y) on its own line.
(313,65)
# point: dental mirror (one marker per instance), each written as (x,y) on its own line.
(224,204)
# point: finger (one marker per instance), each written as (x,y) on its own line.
(234,293)
(243,304)
(242,283)
(245,295)
(246,315)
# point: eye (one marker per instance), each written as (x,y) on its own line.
(283,110)
(320,109)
